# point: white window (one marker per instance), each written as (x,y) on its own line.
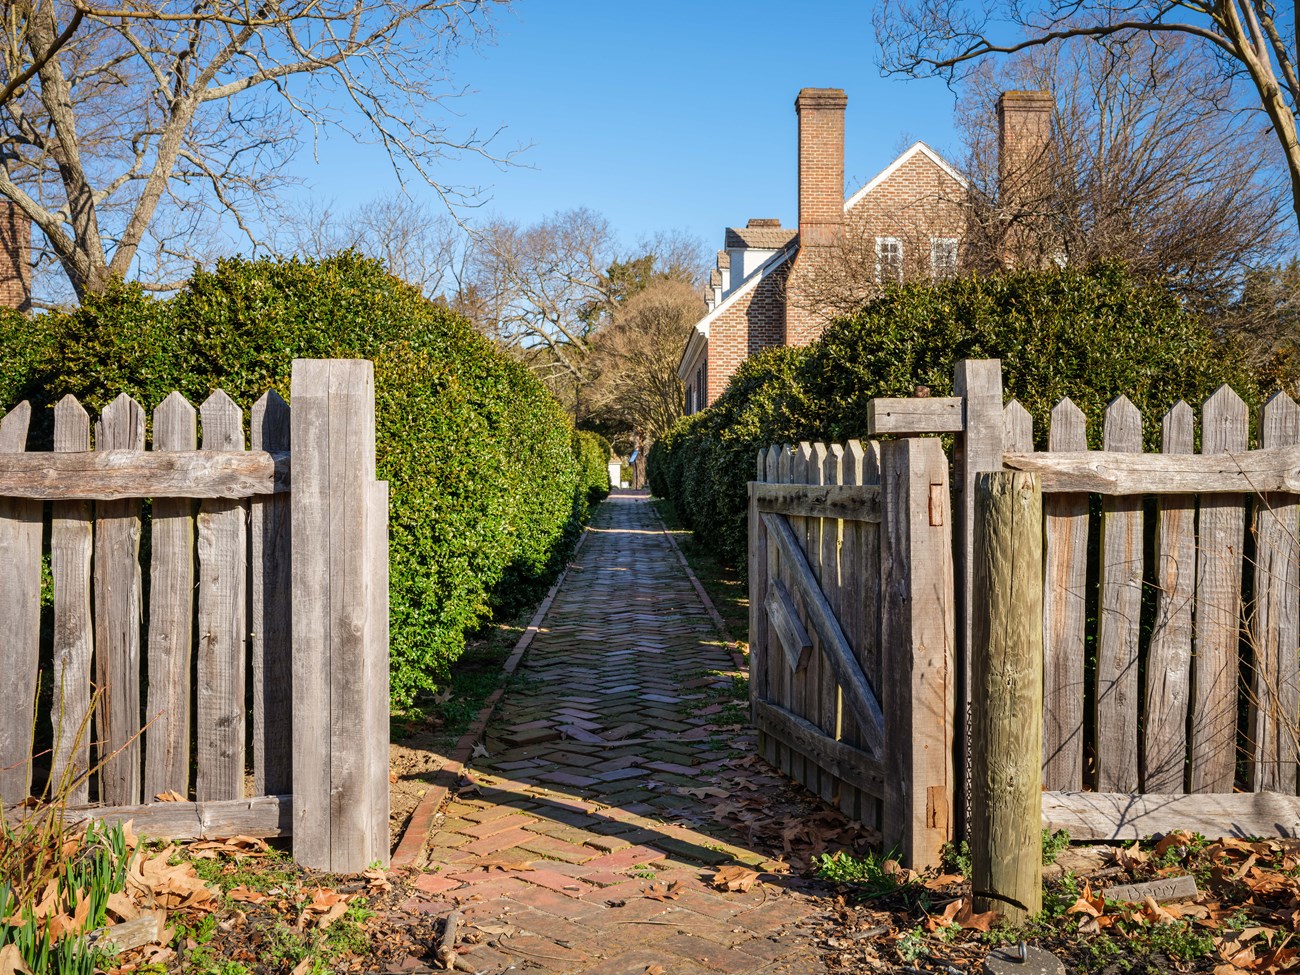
(943,257)
(889,259)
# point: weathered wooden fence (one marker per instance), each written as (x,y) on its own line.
(1170,615)
(267,565)
(851,630)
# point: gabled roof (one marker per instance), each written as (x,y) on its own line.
(916,148)
(701,330)
(760,238)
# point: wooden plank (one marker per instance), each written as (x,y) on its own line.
(353,719)
(71,547)
(20,608)
(375,680)
(1124,473)
(832,582)
(842,760)
(913,415)
(794,639)
(847,502)
(756,555)
(1007,745)
(785,475)
(1222,525)
(820,782)
(775,750)
(264,817)
(271,613)
(1017,427)
(804,695)
(222,621)
(1065,531)
(117,616)
(335,632)
(977,448)
(918,685)
(312,619)
(121,474)
(1169,658)
(859,596)
(1110,816)
(171,616)
(852,682)
(1275,625)
(1118,622)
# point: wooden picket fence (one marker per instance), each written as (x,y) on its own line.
(1192,621)
(269,562)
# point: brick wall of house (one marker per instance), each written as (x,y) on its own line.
(756,321)
(15,257)
(916,204)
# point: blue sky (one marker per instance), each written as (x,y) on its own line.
(667,115)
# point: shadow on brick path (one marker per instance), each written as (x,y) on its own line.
(585,842)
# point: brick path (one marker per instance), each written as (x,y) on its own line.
(590,759)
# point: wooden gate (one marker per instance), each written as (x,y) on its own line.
(851,629)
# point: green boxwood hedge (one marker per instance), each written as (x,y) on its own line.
(1088,334)
(593,452)
(485,491)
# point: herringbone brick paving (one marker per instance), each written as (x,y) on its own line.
(582,843)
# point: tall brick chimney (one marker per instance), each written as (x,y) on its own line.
(821,164)
(821,204)
(1024,138)
(15,257)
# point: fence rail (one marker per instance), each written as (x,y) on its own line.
(247,574)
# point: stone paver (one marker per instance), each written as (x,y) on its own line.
(579,847)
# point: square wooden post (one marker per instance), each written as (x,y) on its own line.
(340,619)
(918,689)
(977,448)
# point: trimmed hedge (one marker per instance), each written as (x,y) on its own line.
(593,452)
(485,491)
(1090,335)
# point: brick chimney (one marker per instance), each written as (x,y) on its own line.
(821,164)
(15,257)
(821,205)
(1024,137)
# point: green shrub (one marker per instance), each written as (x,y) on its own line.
(478,455)
(1090,335)
(593,453)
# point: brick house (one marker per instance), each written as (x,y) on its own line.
(15,257)
(911,219)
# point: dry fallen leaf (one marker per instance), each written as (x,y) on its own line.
(735,878)
(663,892)
(480,750)
(506,865)
(245,894)
(11,961)
(169,796)
(378,880)
(655,970)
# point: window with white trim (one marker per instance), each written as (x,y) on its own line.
(889,259)
(943,257)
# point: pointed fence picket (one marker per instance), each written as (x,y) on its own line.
(226,570)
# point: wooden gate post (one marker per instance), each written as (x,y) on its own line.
(340,619)
(977,448)
(1007,699)
(918,662)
